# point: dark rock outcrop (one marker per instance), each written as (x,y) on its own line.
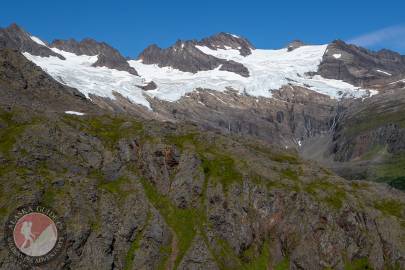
(107,55)
(225,41)
(294,114)
(149,86)
(23,83)
(366,140)
(359,66)
(184,55)
(294,45)
(15,38)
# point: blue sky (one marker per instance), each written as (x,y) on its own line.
(130,26)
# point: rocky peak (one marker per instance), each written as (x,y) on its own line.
(107,55)
(359,66)
(185,56)
(295,44)
(225,41)
(86,46)
(16,38)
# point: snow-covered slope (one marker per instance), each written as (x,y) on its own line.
(78,72)
(269,70)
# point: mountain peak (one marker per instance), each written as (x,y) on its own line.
(107,55)
(187,57)
(224,40)
(15,37)
(295,44)
(15,27)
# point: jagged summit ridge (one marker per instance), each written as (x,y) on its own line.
(186,57)
(360,66)
(228,41)
(107,55)
(16,38)
(220,62)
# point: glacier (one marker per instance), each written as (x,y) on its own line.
(269,71)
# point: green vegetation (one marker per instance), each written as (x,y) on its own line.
(290,174)
(356,185)
(225,256)
(283,265)
(135,245)
(257,262)
(392,171)
(3,212)
(221,168)
(182,140)
(256,257)
(275,155)
(390,207)
(184,222)
(217,165)
(107,128)
(95,226)
(368,121)
(165,251)
(48,199)
(375,151)
(359,264)
(331,194)
(116,187)
(11,132)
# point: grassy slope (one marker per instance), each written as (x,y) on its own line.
(389,168)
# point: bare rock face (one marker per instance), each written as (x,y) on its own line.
(148,86)
(226,41)
(150,195)
(183,55)
(366,139)
(359,66)
(294,115)
(107,55)
(15,38)
(23,83)
(295,44)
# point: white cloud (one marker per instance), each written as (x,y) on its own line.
(386,37)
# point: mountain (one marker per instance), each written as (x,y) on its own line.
(107,56)
(209,154)
(359,66)
(187,57)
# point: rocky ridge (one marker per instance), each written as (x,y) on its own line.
(185,56)
(360,66)
(15,38)
(107,55)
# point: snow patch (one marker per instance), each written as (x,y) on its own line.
(400,81)
(384,72)
(38,41)
(337,55)
(74,113)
